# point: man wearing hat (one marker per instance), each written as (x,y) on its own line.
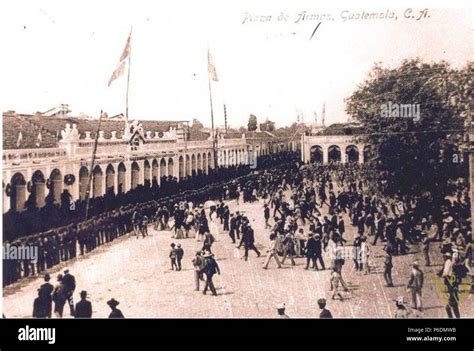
(210,268)
(44,293)
(116,313)
(325,313)
(69,283)
(272,252)
(83,307)
(415,285)
(40,307)
(311,251)
(281,311)
(198,264)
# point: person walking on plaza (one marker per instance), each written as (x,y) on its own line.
(198,264)
(45,291)
(233,227)
(266,215)
(325,313)
(365,254)
(311,248)
(272,252)
(210,268)
(289,249)
(69,282)
(387,269)
(336,280)
(59,297)
(179,256)
(40,307)
(115,313)
(248,240)
(415,285)
(83,307)
(172,256)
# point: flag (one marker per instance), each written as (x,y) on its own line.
(120,69)
(40,138)
(117,73)
(19,140)
(211,67)
(128,47)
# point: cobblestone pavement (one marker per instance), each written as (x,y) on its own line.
(137,273)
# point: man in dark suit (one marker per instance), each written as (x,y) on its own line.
(248,240)
(325,313)
(69,283)
(44,293)
(311,252)
(318,249)
(83,307)
(210,268)
(115,313)
(233,227)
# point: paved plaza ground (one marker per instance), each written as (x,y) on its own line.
(137,273)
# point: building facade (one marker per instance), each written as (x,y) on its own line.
(127,155)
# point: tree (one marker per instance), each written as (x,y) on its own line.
(411,151)
(252,124)
(267,126)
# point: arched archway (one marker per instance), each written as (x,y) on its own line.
(210,161)
(17,192)
(97,181)
(146,173)
(193,165)
(199,163)
(121,180)
(83,182)
(204,163)
(156,172)
(110,179)
(135,179)
(188,166)
(162,168)
(317,155)
(38,189)
(334,153)
(170,167)
(55,185)
(352,153)
(181,167)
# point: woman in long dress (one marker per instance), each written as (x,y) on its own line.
(214,227)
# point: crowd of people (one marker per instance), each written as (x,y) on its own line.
(307,209)
(307,206)
(53,298)
(117,215)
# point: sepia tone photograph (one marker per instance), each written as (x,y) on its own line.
(243,160)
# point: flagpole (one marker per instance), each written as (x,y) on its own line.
(128,76)
(94,151)
(214,144)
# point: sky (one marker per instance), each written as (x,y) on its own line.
(65,51)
